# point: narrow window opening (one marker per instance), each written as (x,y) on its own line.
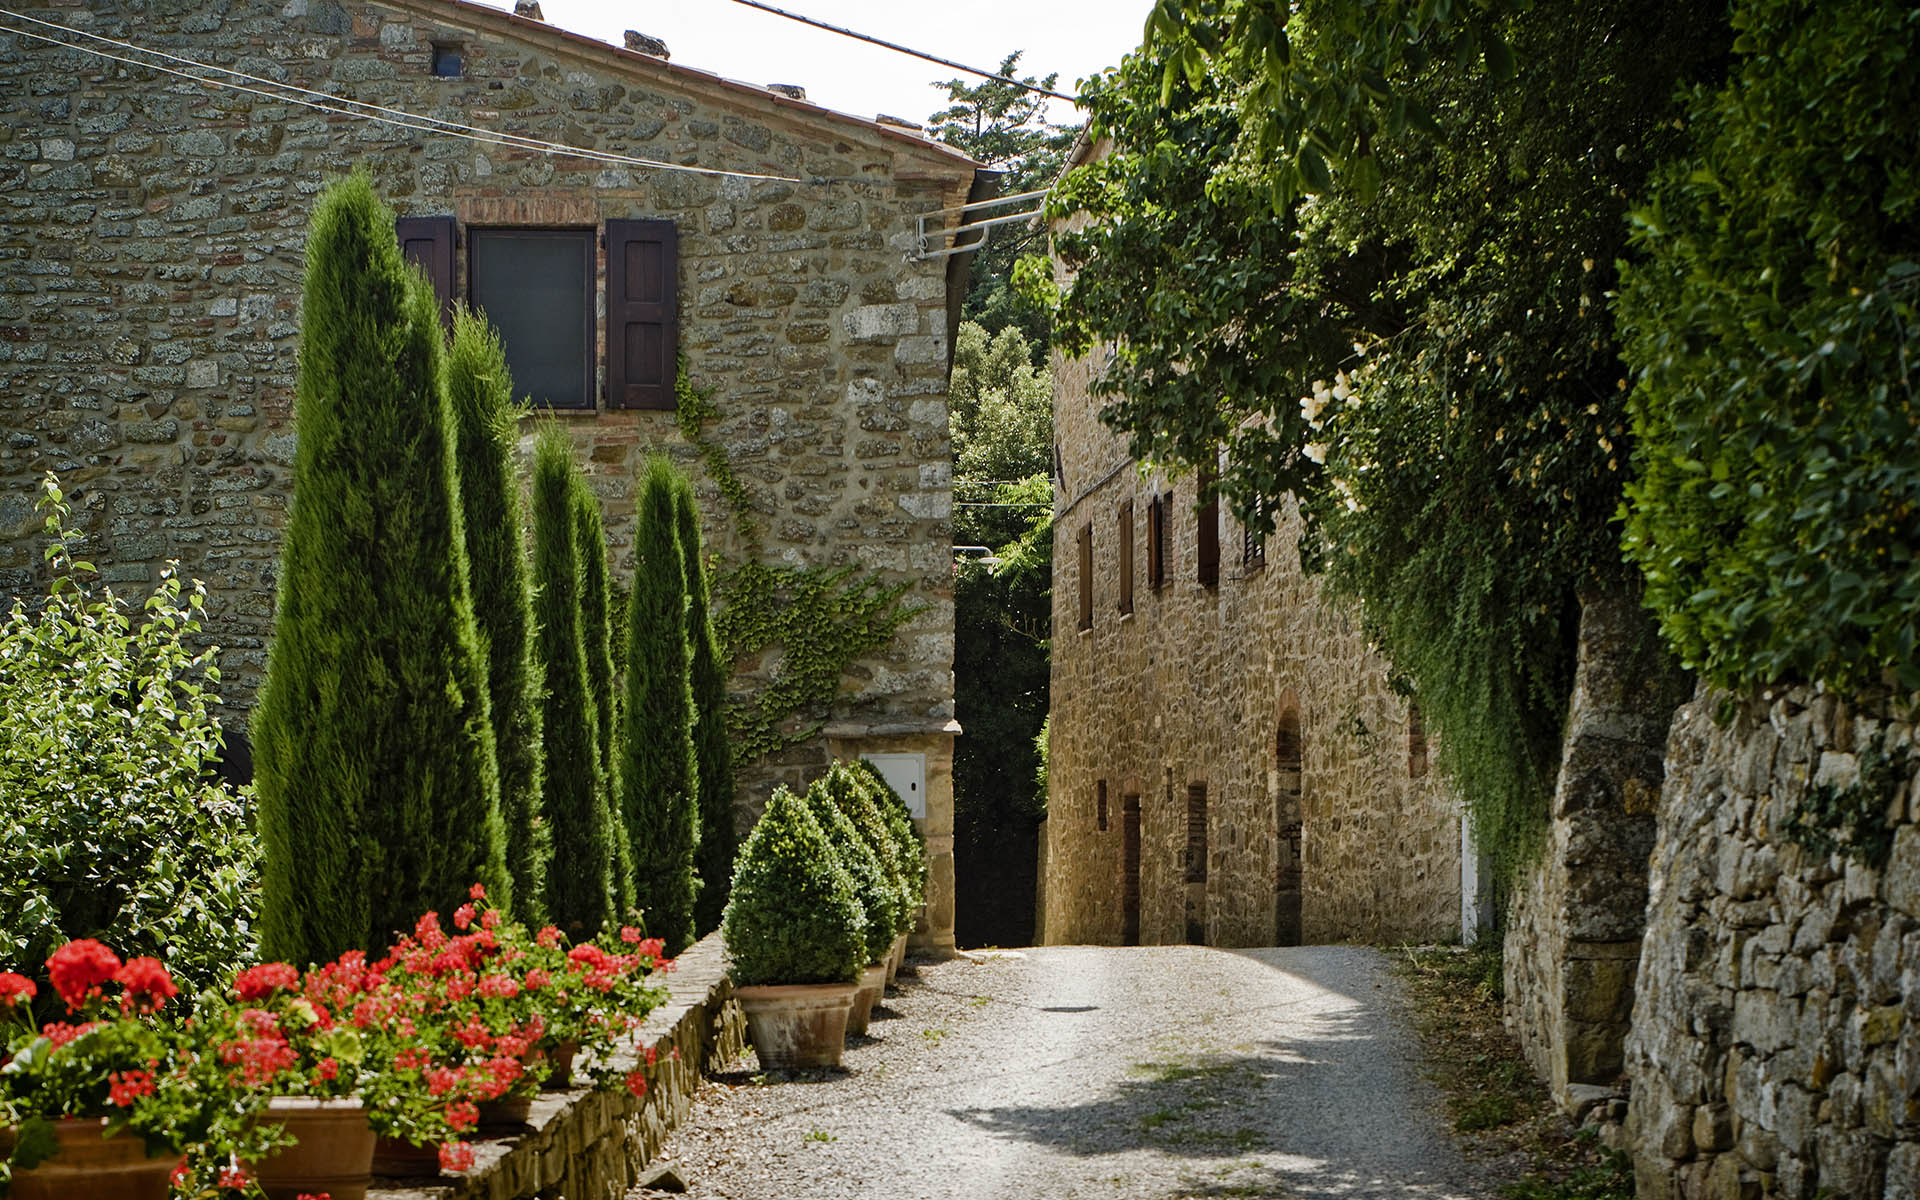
(448,60)
(1126,557)
(1100,805)
(1253,545)
(1416,741)
(1196,833)
(1086,576)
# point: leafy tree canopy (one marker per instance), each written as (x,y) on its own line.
(1002,406)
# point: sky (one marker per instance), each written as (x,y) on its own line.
(1074,37)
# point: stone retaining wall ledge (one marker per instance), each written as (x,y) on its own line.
(588,1145)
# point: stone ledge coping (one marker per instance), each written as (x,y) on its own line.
(587,1143)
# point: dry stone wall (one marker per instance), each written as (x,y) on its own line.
(150,262)
(1321,822)
(1775,1049)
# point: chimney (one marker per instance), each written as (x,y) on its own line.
(640,43)
(530,9)
(791,91)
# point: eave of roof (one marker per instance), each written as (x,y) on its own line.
(634,63)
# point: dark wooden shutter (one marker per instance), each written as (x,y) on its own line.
(1156,543)
(1207,535)
(1086,576)
(643,286)
(427,242)
(1126,557)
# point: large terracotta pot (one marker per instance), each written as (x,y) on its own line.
(898,958)
(397,1158)
(333,1153)
(796,1025)
(508,1112)
(873,981)
(90,1167)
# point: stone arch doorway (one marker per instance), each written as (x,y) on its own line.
(1288,762)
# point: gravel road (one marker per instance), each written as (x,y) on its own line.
(1075,1071)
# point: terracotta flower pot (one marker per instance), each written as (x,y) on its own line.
(508,1112)
(898,958)
(796,1025)
(873,981)
(333,1153)
(560,1066)
(90,1167)
(397,1158)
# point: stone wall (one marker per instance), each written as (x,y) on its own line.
(150,263)
(1775,1048)
(1575,918)
(1321,820)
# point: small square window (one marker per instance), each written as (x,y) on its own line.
(447,60)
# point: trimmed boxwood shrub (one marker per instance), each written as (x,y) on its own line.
(907,842)
(851,792)
(878,893)
(793,916)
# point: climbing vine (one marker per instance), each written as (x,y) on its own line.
(1851,819)
(821,618)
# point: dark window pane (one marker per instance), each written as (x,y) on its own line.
(534,286)
(446,60)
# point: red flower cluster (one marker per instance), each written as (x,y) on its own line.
(257,983)
(16,988)
(124,1087)
(79,968)
(148,986)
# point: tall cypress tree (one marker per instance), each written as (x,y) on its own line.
(662,782)
(596,634)
(713,757)
(502,584)
(373,744)
(580,896)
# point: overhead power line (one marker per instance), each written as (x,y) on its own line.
(273,89)
(932,58)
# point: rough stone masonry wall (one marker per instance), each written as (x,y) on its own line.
(1776,1035)
(1192,687)
(150,258)
(1575,918)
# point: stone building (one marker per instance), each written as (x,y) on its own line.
(150,268)
(1227,763)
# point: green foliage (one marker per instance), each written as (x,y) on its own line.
(849,790)
(1851,819)
(713,758)
(373,744)
(580,892)
(879,893)
(822,618)
(909,848)
(1772,330)
(1006,128)
(661,775)
(1001,406)
(487,420)
(792,916)
(113,822)
(1436,376)
(597,639)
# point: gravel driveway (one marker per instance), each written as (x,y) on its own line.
(1078,1071)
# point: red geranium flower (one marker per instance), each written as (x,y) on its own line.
(455,1156)
(79,968)
(16,988)
(257,983)
(637,1082)
(477,892)
(148,985)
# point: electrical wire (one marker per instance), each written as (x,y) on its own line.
(361,110)
(932,58)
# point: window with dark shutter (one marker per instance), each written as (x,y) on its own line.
(1253,545)
(536,287)
(427,243)
(1126,557)
(1100,806)
(1156,560)
(1086,576)
(643,285)
(1207,535)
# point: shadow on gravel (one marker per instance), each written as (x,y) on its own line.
(763,1078)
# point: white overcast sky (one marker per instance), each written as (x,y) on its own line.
(1074,37)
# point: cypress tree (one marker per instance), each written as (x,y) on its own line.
(373,744)
(502,584)
(662,782)
(580,897)
(713,757)
(596,632)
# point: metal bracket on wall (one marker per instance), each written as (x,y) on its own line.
(922,248)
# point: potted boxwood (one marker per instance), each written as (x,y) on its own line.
(795,936)
(909,849)
(878,893)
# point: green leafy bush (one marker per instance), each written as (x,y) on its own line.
(852,792)
(1773,330)
(908,846)
(878,892)
(793,916)
(114,825)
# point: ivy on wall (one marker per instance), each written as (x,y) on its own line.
(821,618)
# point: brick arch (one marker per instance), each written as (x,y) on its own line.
(1289,768)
